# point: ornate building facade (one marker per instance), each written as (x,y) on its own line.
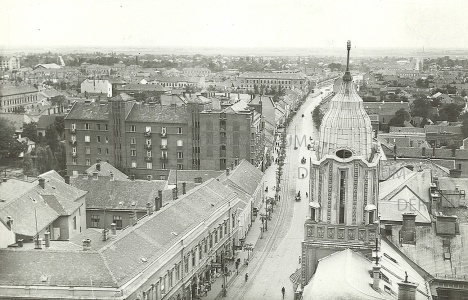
(343,182)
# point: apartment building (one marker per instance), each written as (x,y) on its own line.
(283,80)
(149,140)
(13,97)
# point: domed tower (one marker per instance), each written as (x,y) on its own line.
(346,128)
(343,181)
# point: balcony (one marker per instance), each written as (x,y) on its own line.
(148,159)
(148,147)
(73,130)
(163,134)
(163,147)
(73,154)
(147,133)
(163,158)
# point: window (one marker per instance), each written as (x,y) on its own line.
(163,284)
(74,222)
(118,221)
(107,139)
(132,128)
(170,278)
(164,167)
(148,153)
(186,264)
(95,221)
(180,166)
(88,162)
(86,126)
(99,150)
(177,271)
(193,258)
(74,161)
(148,129)
(98,126)
(211,241)
(341,212)
(75,173)
(133,141)
(73,126)
(98,138)
(225,228)
(179,130)
(180,155)
(149,166)
(73,138)
(134,164)
(107,150)
(148,141)
(180,143)
(106,127)
(133,152)
(87,139)
(74,150)
(88,150)
(163,130)
(164,142)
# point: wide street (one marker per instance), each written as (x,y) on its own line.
(277,255)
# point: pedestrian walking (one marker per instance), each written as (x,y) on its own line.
(246,276)
(283,290)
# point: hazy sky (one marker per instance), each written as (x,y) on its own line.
(235,23)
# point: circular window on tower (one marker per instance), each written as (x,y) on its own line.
(343,153)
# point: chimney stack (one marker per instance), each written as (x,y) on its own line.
(237,161)
(38,243)
(408,230)
(47,239)
(105,232)
(376,276)
(184,186)
(67,179)
(232,165)
(95,175)
(114,229)
(227,171)
(42,182)
(111,176)
(132,177)
(98,167)
(407,290)
(86,244)
(149,208)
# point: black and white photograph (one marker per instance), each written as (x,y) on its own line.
(238,150)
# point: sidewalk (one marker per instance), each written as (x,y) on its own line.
(269,178)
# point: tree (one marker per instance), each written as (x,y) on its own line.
(465,125)
(51,137)
(30,131)
(45,160)
(61,158)
(28,166)
(400,117)
(317,116)
(420,107)
(59,124)
(450,112)
(9,146)
(463,93)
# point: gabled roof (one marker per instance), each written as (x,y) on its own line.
(245,176)
(157,113)
(190,175)
(106,170)
(404,201)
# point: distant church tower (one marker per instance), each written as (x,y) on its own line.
(343,181)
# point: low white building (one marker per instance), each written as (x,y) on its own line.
(97,87)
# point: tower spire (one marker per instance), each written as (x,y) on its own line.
(347,75)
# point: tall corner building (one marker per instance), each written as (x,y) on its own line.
(343,182)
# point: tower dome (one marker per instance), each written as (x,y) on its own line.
(346,128)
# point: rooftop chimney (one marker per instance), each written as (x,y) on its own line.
(98,167)
(95,175)
(454,173)
(376,277)
(447,225)
(86,244)
(47,239)
(38,243)
(184,186)
(407,290)
(408,230)
(105,232)
(42,182)
(67,179)
(237,161)
(111,176)
(114,229)
(227,171)
(232,166)
(149,208)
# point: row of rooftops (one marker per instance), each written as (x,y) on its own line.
(113,262)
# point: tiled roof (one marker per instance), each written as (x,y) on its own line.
(70,268)
(245,176)
(151,237)
(190,175)
(106,170)
(88,111)
(104,193)
(158,113)
(7,90)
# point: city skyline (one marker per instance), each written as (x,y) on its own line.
(237,24)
